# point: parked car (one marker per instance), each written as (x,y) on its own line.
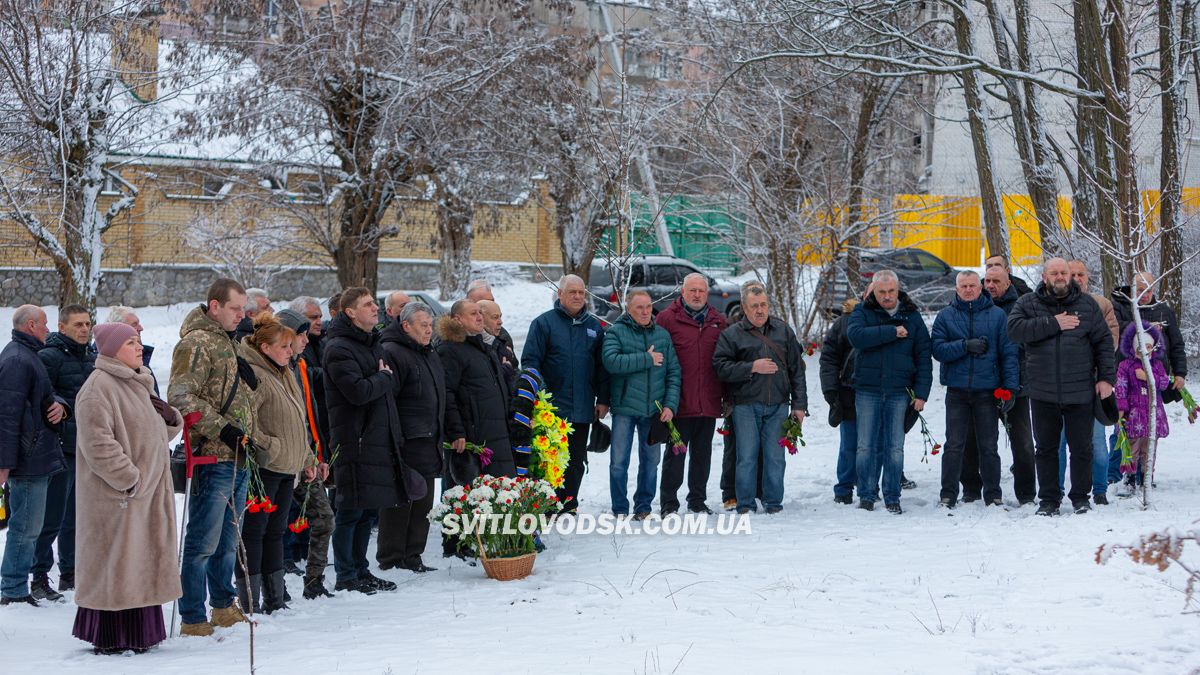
(421,296)
(662,276)
(926,278)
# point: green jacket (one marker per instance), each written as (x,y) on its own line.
(636,382)
(203,369)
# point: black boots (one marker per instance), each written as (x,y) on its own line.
(315,588)
(274,592)
(249,592)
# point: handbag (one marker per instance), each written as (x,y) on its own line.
(179,453)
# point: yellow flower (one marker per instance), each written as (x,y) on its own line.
(541,444)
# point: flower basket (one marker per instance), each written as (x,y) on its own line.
(506,569)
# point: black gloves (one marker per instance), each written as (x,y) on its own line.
(1006,406)
(232,436)
(977,345)
(831,396)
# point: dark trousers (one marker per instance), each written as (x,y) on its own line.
(1020,439)
(974,415)
(1049,420)
(729,466)
(351,535)
(59,524)
(403,530)
(697,433)
(262,532)
(568,494)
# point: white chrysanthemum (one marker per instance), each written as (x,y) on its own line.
(453,494)
(507,496)
(482,493)
(438,510)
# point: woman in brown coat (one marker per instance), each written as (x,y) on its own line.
(281,451)
(126,539)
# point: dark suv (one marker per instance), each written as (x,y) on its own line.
(662,276)
(926,278)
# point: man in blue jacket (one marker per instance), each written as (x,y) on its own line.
(970,339)
(31,418)
(891,360)
(563,345)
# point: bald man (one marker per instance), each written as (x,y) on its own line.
(498,339)
(394,304)
(1069,362)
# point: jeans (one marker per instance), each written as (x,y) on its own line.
(26,514)
(971,414)
(1099,460)
(880,420)
(262,532)
(1114,457)
(351,534)
(697,433)
(623,429)
(847,458)
(60,524)
(759,428)
(210,545)
(1049,421)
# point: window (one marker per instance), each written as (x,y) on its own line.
(664,275)
(212,186)
(930,263)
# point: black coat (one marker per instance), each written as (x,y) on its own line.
(738,348)
(1006,302)
(29,445)
(1062,366)
(509,362)
(837,372)
(1156,312)
(68,364)
(477,396)
(1019,284)
(364,429)
(420,397)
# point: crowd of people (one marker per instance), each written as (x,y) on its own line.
(345,424)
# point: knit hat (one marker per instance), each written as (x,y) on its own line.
(293,319)
(110,337)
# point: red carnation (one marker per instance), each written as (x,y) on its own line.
(1002,394)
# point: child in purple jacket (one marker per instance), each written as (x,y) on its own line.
(1133,396)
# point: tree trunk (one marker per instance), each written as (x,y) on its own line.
(1119,102)
(859,155)
(357,254)
(1171,82)
(995,229)
(455,236)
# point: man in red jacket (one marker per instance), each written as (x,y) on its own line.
(694,327)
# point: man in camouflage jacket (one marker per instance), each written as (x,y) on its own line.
(205,378)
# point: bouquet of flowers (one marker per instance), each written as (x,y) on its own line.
(549,444)
(1189,404)
(677,445)
(1127,464)
(484,454)
(793,433)
(496,517)
(932,447)
(811,348)
(1003,396)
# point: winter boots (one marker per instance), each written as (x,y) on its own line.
(202,629)
(228,616)
(249,593)
(66,581)
(314,588)
(41,589)
(274,592)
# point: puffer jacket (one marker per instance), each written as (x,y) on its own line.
(884,363)
(1133,396)
(68,363)
(737,350)
(700,391)
(961,321)
(1156,312)
(1062,366)
(29,445)
(420,397)
(281,437)
(638,386)
(565,349)
(203,369)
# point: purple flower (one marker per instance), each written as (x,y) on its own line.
(679,448)
(485,457)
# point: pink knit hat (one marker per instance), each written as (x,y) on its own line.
(110,337)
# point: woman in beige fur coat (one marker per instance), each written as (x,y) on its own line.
(126,538)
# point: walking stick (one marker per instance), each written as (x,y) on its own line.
(189,420)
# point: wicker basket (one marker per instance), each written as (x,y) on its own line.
(506,569)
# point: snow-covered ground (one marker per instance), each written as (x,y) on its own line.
(819,588)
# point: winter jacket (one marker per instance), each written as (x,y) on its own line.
(147,354)
(961,321)
(1110,318)
(565,349)
(1019,284)
(509,363)
(1162,314)
(739,347)
(314,356)
(203,369)
(884,363)
(638,386)
(837,372)
(68,363)
(281,436)
(125,548)
(695,343)
(1062,366)
(29,445)
(364,429)
(477,396)
(420,397)
(1133,398)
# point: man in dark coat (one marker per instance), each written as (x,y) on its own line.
(892,351)
(1069,362)
(421,405)
(477,396)
(760,361)
(69,360)
(970,340)
(564,345)
(837,373)
(694,326)
(31,419)
(498,339)
(363,431)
